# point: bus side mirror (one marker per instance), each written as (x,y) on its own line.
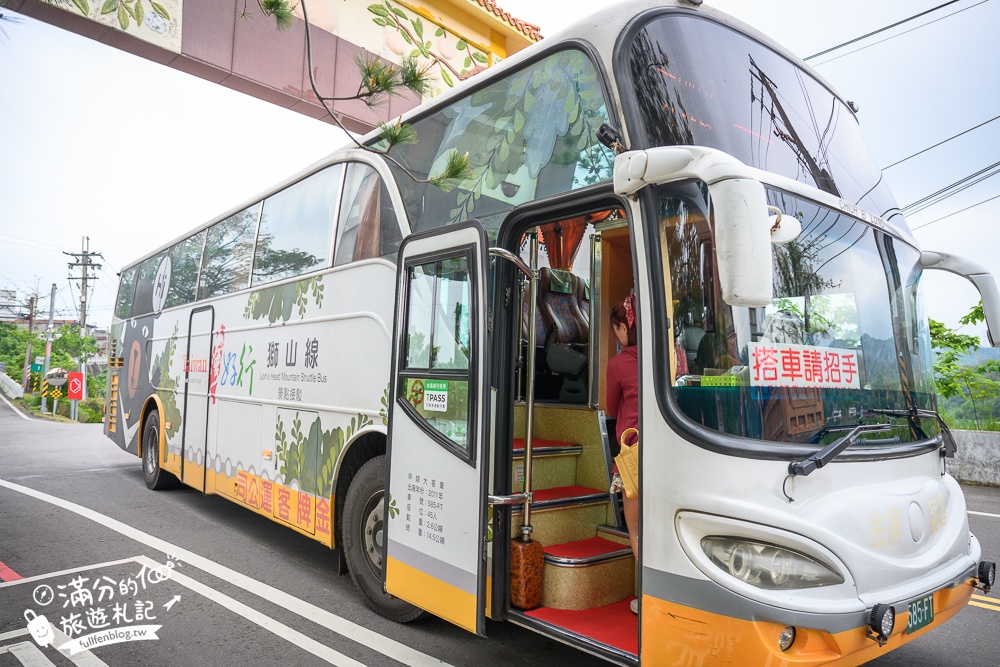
(978,276)
(739,212)
(742,242)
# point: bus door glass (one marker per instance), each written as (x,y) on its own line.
(436,507)
(195,421)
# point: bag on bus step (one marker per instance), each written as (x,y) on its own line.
(628,464)
(527,560)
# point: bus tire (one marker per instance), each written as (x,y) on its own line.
(156,477)
(364,542)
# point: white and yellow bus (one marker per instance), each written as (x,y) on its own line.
(380,364)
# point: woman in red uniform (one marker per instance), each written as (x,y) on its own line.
(623,403)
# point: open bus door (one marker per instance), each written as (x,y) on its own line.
(438,440)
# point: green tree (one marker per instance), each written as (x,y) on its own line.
(976,384)
(13,344)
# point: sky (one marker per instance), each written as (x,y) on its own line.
(95,142)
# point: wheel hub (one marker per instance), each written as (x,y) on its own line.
(373,532)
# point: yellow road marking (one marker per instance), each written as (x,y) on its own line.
(986,603)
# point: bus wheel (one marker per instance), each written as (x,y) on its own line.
(156,477)
(364,541)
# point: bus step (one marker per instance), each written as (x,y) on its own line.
(587,573)
(563,514)
(565,496)
(555,464)
(541,447)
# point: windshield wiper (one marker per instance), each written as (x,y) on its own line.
(833,450)
(950,446)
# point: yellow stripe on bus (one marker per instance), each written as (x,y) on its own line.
(431,594)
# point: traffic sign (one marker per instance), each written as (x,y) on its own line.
(74,389)
(37,368)
(40,361)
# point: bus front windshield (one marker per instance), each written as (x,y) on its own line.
(690,80)
(844,336)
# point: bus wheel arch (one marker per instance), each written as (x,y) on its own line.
(152,441)
(359,451)
(360,515)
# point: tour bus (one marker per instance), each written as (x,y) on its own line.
(416,376)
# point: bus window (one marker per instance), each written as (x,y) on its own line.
(144,287)
(295,228)
(229,254)
(436,362)
(528,135)
(368,225)
(185,264)
(123,305)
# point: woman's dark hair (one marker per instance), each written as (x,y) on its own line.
(619,315)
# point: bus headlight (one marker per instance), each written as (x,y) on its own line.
(767,566)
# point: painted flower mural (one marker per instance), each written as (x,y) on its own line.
(450,58)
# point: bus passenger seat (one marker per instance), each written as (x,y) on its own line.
(558,300)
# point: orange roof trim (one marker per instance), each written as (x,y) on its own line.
(529,29)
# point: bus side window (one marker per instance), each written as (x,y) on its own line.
(142,304)
(123,304)
(295,228)
(229,254)
(368,225)
(185,265)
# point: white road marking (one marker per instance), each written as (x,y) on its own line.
(995,516)
(27,654)
(16,411)
(360,634)
(82,659)
(51,575)
(30,656)
(290,635)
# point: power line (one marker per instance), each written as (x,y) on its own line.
(923,201)
(875,32)
(899,34)
(955,213)
(940,142)
(24,238)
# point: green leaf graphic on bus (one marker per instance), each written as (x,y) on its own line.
(557,105)
(384,410)
(392,508)
(276,303)
(308,456)
(167,385)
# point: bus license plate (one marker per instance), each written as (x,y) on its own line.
(921,613)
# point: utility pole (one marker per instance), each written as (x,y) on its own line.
(48,342)
(86,264)
(31,313)
(84,261)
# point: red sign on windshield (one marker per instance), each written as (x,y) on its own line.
(785,365)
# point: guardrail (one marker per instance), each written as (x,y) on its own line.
(9,387)
(977,460)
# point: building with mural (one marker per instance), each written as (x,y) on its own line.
(230,43)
